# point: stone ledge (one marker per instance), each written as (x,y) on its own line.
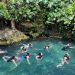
(15,37)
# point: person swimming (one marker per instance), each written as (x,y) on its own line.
(67,46)
(23,49)
(46,48)
(30,45)
(39,56)
(64,60)
(11,59)
(27,56)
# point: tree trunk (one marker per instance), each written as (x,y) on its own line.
(13,24)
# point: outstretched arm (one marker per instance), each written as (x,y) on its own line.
(14,62)
(28,61)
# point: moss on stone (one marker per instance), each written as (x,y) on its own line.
(35,35)
(16,37)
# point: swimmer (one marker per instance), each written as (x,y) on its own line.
(27,56)
(30,45)
(64,60)
(46,48)
(23,49)
(11,59)
(39,56)
(1,51)
(67,46)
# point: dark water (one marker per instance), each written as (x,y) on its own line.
(46,66)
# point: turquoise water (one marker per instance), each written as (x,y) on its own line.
(45,66)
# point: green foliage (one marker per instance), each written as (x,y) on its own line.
(15,1)
(50,12)
(3,11)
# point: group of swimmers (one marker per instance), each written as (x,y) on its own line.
(24,48)
(39,56)
(16,58)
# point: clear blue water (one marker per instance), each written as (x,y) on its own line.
(45,66)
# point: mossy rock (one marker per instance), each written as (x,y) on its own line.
(16,37)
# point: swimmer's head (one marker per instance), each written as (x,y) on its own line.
(13,56)
(30,45)
(27,54)
(68,44)
(40,54)
(67,55)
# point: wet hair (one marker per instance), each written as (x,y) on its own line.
(27,55)
(46,47)
(10,59)
(24,49)
(40,55)
(30,45)
(66,55)
(13,57)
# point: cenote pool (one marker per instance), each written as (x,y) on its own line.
(45,66)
